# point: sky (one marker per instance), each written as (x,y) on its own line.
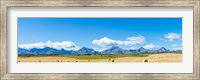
(100,33)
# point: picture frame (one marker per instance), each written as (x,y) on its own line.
(5,4)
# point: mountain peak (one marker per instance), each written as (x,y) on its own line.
(162,49)
(115,47)
(114,50)
(85,50)
(141,48)
(47,48)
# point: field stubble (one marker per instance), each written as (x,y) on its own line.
(161,57)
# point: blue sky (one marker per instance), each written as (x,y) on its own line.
(100,33)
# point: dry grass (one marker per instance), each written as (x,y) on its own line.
(153,58)
(163,57)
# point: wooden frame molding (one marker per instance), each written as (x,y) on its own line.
(5,4)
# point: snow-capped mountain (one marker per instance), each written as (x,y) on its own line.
(85,50)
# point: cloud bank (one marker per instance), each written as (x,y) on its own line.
(151,46)
(134,40)
(67,45)
(177,48)
(172,36)
(174,45)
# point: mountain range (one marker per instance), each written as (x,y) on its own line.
(85,50)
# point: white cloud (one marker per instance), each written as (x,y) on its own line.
(110,42)
(177,48)
(133,48)
(100,49)
(174,45)
(172,36)
(151,46)
(67,45)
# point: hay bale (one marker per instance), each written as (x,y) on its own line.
(145,60)
(113,60)
(57,60)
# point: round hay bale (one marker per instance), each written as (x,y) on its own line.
(145,60)
(113,60)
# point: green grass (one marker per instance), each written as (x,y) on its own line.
(99,56)
(178,52)
(105,56)
(36,55)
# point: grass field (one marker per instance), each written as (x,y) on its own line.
(157,57)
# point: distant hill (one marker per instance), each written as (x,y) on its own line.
(85,50)
(162,49)
(46,50)
(142,50)
(114,50)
